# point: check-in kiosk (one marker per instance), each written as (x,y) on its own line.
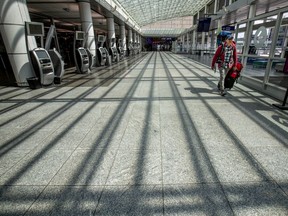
(56,58)
(130,49)
(108,59)
(120,49)
(90,57)
(135,48)
(138,48)
(101,52)
(39,57)
(80,55)
(42,66)
(82,60)
(113,51)
(58,65)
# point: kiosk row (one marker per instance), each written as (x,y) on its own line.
(48,64)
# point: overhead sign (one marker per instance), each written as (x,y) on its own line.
(228,28)
(204,24)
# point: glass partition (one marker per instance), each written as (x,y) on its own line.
(266,49)
(277,74)
(240,38)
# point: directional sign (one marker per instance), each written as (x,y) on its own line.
(228,28)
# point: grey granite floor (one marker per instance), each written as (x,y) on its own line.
(148,136)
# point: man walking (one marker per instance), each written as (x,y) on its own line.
(226,58)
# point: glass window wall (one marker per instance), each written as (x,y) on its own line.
(266,50)
(278,75)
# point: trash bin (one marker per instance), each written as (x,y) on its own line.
(33,82)
(57,80)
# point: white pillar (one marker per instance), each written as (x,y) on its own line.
(123,37)
(194,39)
(14,14)
(203,47)
(187,42)
(140,42)
(134,37)
(111,30)
(130,39)
(87,26)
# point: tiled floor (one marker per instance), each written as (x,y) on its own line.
(148,136)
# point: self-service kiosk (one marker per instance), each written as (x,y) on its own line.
(39,57)
(90,57)
(113,51)
(130,49)
(82,60)
(101,52)
(120,49)
(138,47)
(80,55)
(56,58)
(58,65)
(134,48)
(42,65)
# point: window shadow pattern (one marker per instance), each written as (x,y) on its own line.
(208,194)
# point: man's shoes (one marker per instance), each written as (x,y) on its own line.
(222,92)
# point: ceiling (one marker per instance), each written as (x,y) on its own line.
(137,14)
(150,11)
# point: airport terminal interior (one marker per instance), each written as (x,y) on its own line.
(110,107)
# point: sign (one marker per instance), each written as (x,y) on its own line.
(204,24)
(228,28)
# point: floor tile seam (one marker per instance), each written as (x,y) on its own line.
(31,99)
(130,114)
(60,168)
(32,149)
(267,128)
(117,152)
(41,122)
(231,134)
(255,99)
(28,100)
(161,141)
(244,151)
(271,177)
(75,149)
(35,200)
(202,147)
(170,79)
(240,183)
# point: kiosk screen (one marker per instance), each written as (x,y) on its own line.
(82,51)
(100,38)
(42,54)
(79,35)
(35,29)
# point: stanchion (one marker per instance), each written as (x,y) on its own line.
(282,107)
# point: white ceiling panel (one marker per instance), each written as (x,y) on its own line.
(149,11)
